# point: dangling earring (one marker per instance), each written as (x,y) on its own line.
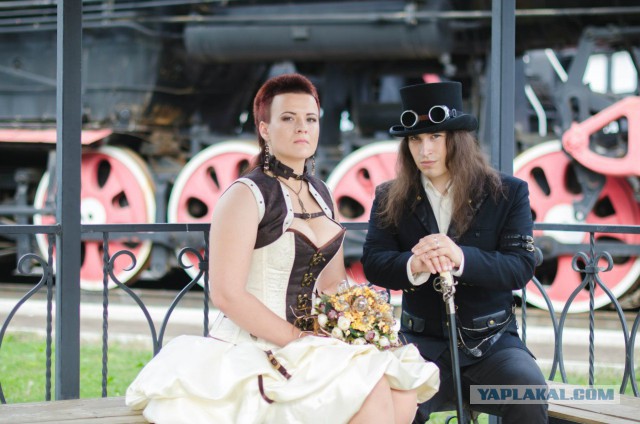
(313,165)
(265,164)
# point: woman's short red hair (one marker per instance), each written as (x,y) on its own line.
(282,84)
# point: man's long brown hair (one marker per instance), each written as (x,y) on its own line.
(471,176)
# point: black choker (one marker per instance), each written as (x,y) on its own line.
(279,169)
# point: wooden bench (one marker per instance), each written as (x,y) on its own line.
(101,410)
(114,411)
(626,412)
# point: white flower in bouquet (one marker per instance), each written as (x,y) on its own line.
(344,323)
(322,320)
(336,333)
(384,342)
(359,341)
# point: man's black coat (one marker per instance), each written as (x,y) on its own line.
(498,258)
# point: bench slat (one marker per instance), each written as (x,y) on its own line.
(574,415)
(114,411)
(627,411)
(100,410)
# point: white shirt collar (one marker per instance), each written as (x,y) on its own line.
(429,187)
(441,204)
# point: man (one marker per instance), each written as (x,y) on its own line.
(448,210)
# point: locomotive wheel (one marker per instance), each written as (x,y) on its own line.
(202,181)
(116,188)
(354,180)
(553,189)
(353,183)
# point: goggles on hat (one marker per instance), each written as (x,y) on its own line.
(437,114)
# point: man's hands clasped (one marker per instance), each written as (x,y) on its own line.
(434,254)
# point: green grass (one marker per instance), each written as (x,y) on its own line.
(22,368)
(606,377)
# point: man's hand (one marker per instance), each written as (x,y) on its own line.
(435,253)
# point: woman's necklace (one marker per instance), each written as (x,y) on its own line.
(304,214)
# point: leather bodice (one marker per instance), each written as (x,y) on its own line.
(285,263)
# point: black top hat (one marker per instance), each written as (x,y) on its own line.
(430,108)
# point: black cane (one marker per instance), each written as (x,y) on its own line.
(445,285)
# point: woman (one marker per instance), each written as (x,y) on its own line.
(273,242)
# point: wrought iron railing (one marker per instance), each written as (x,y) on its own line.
(586,263)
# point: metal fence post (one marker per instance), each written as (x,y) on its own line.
(503,42)
(68,154)
(501,115)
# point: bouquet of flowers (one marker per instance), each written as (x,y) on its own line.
(357,314)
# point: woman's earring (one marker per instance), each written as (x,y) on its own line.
(265,164)
(313,165)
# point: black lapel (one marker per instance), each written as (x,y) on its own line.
(424,213)
(475,207)
(478,203)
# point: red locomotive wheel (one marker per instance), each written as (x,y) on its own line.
(201,183)
(116,188)
(552,187)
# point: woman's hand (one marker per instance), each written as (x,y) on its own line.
(435,253)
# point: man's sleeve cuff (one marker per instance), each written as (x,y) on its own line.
(458,272)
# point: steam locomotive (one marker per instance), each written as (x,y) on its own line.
(167,89)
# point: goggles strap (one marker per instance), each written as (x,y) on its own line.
(410,115)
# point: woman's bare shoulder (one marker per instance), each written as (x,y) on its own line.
(237,202)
